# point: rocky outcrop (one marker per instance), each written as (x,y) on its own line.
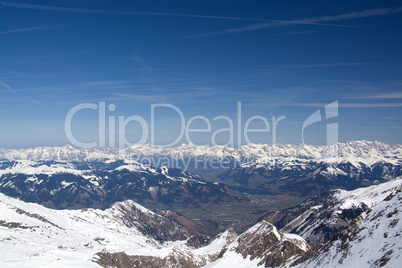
(263,244)
(163,226)
(266,243)
(175,259)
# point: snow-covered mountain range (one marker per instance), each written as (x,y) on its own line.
(251,154)
(127,234)
(100,184)
(301,170)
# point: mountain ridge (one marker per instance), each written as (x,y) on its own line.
(257,154)
(72,185)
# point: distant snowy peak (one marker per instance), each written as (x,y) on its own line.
(41,167)
(31,168)
(356,151)
(359,151)
(65,153)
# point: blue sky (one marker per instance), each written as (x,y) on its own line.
(278,58)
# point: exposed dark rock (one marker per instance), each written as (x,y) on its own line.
(266,242)
(197,241)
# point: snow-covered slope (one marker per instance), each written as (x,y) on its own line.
(34,236)
(126,234)
(372,240)
(129,234)
(319,218)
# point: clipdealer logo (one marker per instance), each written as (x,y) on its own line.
(110,125)
(330,111)
(107,126)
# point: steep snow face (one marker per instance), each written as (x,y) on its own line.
(372,240)
(251,154)
(262,244)
(368,195)
(319,218)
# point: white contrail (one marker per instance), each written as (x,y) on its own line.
(112,12)
(24,30)
(315,21)
(7,87)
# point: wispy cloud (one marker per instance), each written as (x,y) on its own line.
(313,21)
(370,105)
(7,87)
(392,95)
(137,59)
(139,97)
(101,83)
(35,101)
(30,29)
(19,74)
(112,12)
(336,64)
(341,104)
